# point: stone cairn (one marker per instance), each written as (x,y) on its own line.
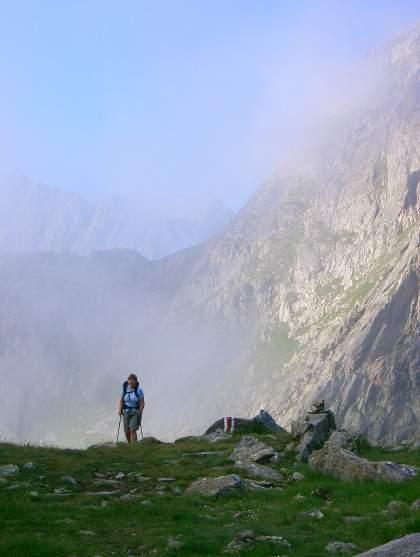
(313,429)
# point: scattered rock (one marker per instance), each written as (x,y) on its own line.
(173,543)
(30,466)
(69,480)
(242,539)
(65,521)
(396,449)
(279,540)
(177,490)
(34,494)
(103,493)
(3,481)
(312,431)
(246,538)
(299,497)
(260,471)
(128,497)
(415,505)
(166,479)
(8,470)
(344,464)
(106,481)
(61,492)
(314,513)
(396,507)
(120,476)
(250,449)
(297,477)
(254,485)
(340,547)
(221,485)
(146,503)
(408,546)
(87,532)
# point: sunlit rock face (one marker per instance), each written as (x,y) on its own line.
(311,292)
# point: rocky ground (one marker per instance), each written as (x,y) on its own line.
(235,493)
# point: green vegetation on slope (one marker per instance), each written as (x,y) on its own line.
(50,525)
(279,349)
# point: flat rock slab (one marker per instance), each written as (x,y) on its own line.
(103,493)
(250,449)
(344,464)
(205,453)
(260,471)
(408,546)
(221,485)
(8,470)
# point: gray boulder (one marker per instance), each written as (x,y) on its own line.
(312,431)
(29,466)
(247,538)
(408,546)
(340,548)
(69,480)
(268,421)
(222,485)
(250,449)
(260,471)
(344,464)
(8,470)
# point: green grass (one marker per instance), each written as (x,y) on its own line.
(51,526)
(279,349)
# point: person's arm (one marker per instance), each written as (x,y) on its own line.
(141,406)
(120,406)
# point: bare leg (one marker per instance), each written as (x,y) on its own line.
(133,435)
(128,436)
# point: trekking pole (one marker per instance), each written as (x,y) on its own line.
(118,432)
(141,431)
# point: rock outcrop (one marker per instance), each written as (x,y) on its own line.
(244,425)
(222,485)
(408,546)
(250,449)
(342,463)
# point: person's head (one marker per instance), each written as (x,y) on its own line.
(132,380)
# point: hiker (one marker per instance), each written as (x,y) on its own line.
(131,407)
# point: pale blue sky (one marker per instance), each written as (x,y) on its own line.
(185,97)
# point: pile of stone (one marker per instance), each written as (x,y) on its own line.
(312,430)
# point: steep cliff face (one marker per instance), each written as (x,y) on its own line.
(323,264)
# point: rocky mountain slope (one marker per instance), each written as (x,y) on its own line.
(234,494)
(311,292)
(35,217)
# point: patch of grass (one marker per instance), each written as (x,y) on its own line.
(279,349)
(54,526)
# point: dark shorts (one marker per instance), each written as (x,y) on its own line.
(131,420)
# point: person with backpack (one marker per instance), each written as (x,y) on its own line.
(131,406)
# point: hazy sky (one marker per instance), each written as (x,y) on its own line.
(182,97)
